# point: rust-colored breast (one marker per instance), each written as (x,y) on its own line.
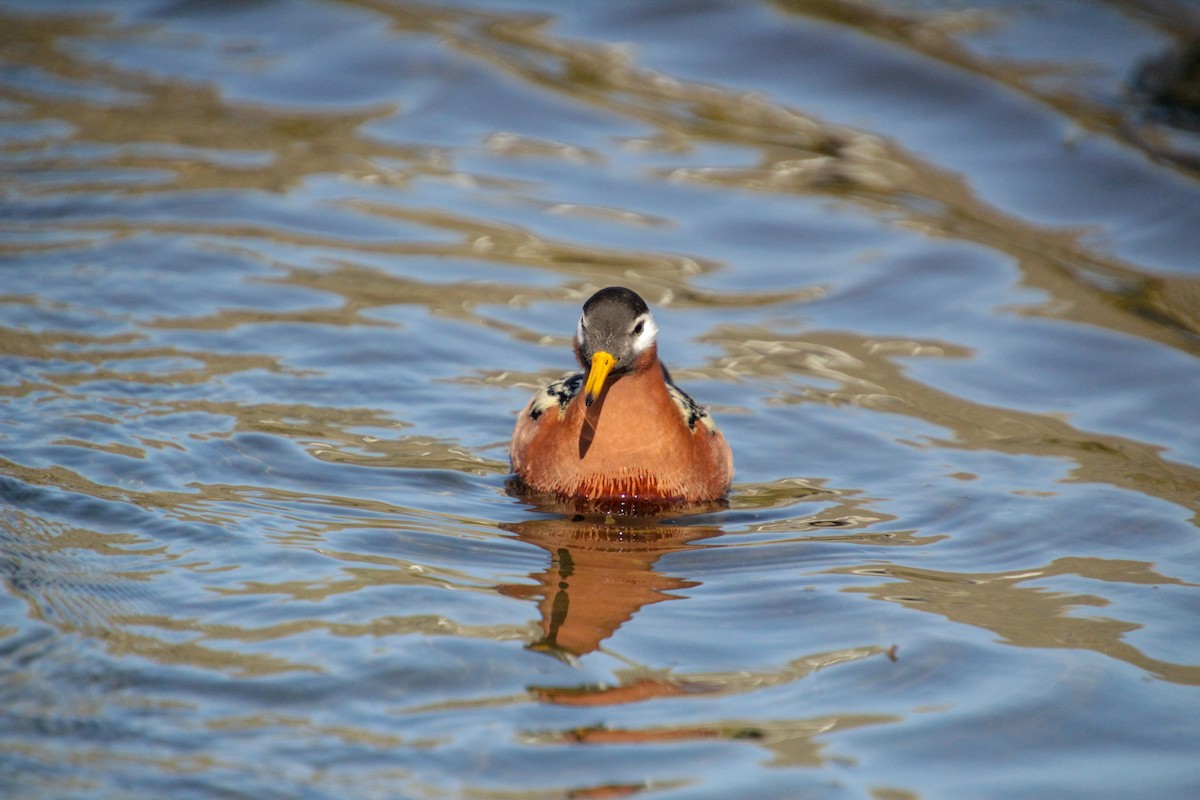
(642,439)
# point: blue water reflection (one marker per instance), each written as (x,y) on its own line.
(277,278)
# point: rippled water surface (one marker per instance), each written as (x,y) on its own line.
(275,279)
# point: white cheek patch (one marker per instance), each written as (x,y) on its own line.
(649,333)
(579,331)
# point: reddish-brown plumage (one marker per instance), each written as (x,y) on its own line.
(635,443)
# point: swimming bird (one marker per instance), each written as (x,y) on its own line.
(619,431)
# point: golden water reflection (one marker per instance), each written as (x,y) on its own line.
(867,373)
(934,34)
(798,153)
(119,141)
(792,743)
(1022,612)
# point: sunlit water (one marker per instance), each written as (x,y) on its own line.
(276,278)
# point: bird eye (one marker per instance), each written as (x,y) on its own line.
(637,329)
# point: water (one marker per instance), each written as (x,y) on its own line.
(276,278)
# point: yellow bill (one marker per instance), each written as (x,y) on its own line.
(602,364)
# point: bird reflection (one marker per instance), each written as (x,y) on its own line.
(601,573)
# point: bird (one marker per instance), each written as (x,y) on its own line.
(619,432)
